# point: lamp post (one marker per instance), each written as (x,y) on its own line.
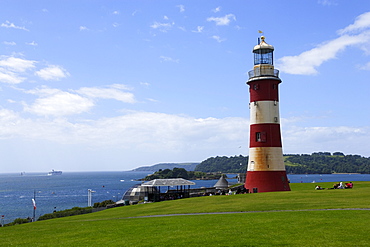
(34,206)
(89,197)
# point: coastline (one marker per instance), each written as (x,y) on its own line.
(71,189)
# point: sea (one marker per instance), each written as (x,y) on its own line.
(60,192)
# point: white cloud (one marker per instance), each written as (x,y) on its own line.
(12,67)
(222,21)
(365,67)
(83,28)
(146,84)
(121,86)
(218,9)
(164,137)
(362,22)
(43,91)
(199,29)
(8,24)
(9,43)
(218,38)
(152,100)
(115,24)
(321,138)
(116,12)
(168,59)
(16,64)
(52,72)
(327,2)
(155,136)
(163,27)
(10,77)
(165,17)
(181,8)
(33,43)
(57,103)
(142,131)
(170,135)
(111,92)
(8,121)
(307,62)
(158,131)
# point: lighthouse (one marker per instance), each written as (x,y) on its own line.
(266,169)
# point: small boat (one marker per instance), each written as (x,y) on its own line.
(53,172)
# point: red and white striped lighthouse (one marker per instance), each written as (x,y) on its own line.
(266,169)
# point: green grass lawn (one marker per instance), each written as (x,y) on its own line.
(267,219)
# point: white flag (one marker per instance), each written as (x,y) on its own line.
(34,203)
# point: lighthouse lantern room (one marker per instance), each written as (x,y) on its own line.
(266,169)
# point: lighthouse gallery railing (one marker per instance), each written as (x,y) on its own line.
(263,72)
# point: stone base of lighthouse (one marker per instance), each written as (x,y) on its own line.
(266,181)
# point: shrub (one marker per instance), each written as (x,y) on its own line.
(18,221)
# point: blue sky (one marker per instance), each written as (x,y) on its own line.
(113,85)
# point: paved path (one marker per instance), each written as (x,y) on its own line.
(245,212)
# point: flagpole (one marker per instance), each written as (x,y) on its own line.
(34,206)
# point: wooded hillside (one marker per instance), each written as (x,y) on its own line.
(235,164)
(315,163)
(325,163)
(181,173)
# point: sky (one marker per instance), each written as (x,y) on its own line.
(102,85)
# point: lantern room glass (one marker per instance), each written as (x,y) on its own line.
(263,56)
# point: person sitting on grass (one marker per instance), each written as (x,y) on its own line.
(349,185)
(341,185)
(318,187)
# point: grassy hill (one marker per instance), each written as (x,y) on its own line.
(301,217)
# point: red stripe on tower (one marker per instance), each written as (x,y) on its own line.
(265,135)
(266,169)
(264,90)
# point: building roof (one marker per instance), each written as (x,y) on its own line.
(167,182)
(221,183)
(263,45)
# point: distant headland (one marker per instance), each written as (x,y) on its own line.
(163,166)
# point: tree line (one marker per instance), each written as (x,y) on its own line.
(315,163)
(180,173)
(224,164)
(324,163)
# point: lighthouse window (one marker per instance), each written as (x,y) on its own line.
(263,56)
(255,86)
(260,136)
